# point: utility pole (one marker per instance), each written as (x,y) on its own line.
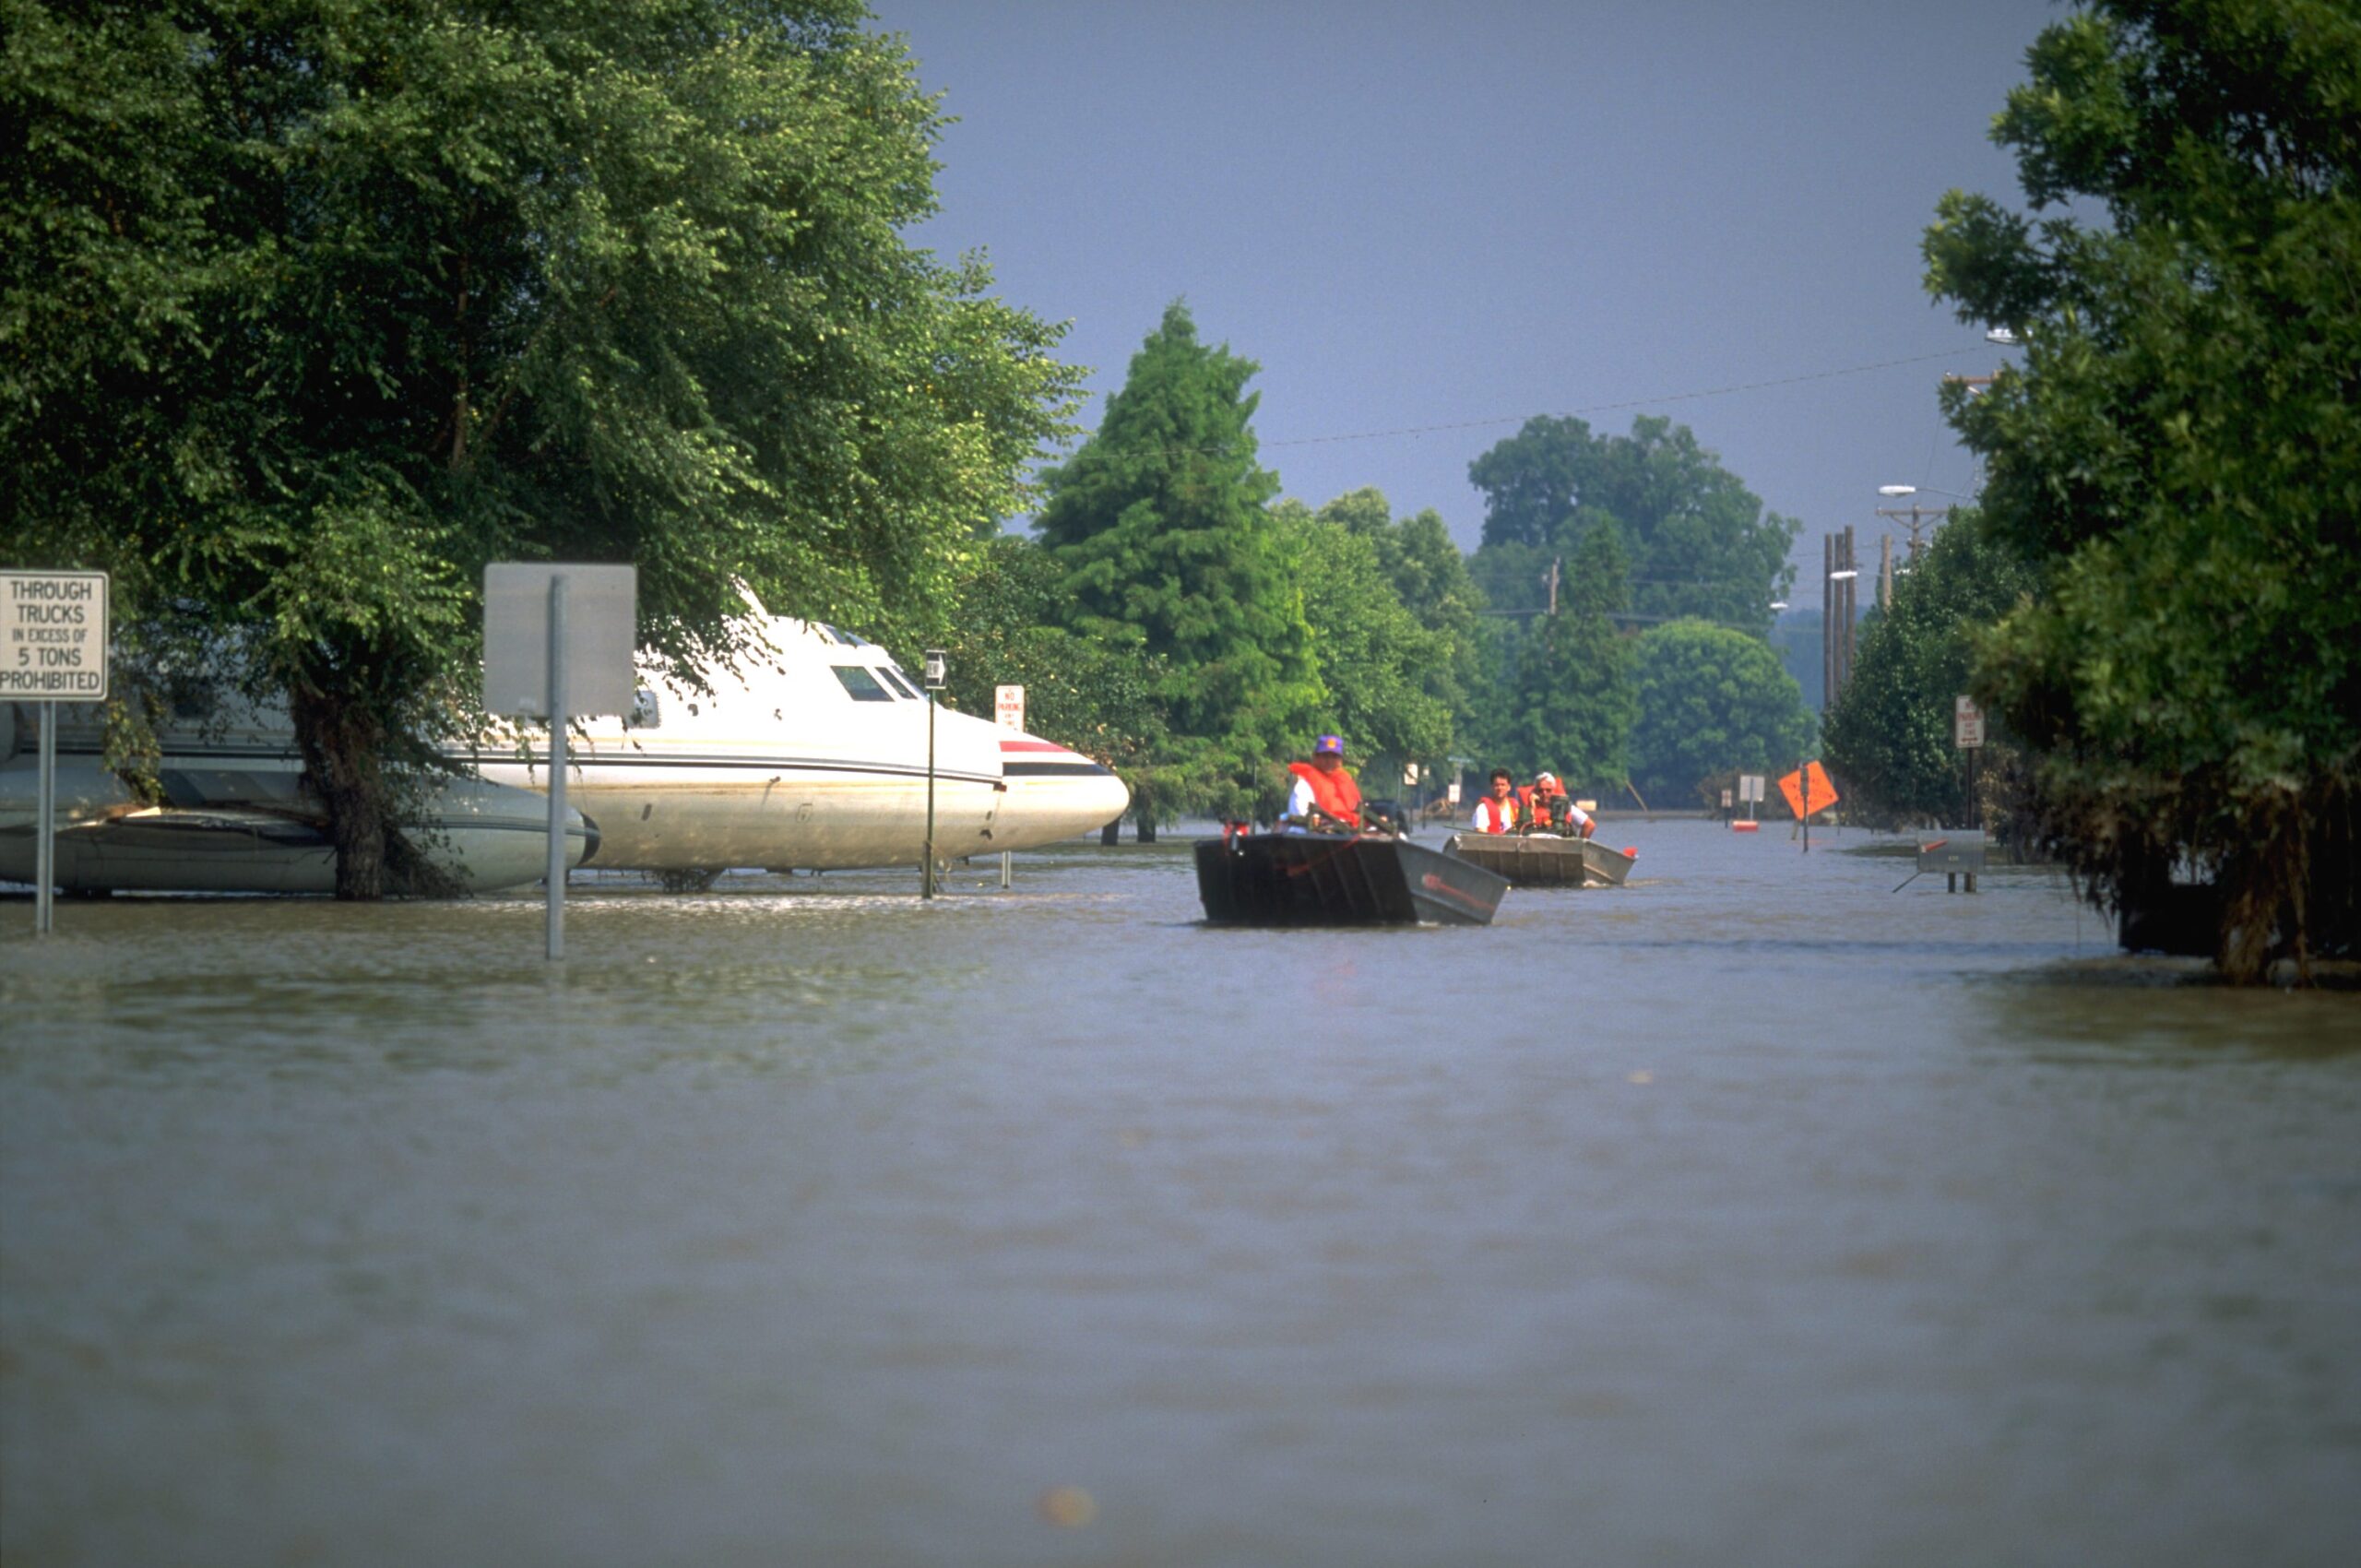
(1827,621)
(1885,571)
(1847,576)
(1555,562)
(1916,517)
(1837,603)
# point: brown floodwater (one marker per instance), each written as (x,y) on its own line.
(1754,1213)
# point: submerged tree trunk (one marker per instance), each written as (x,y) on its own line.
(1113,833)
(343,744)
(1145,823)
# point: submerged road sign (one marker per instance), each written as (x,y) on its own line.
(53,636)
(557,646)
(53,649)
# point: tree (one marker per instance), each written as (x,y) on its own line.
(1429,578)
(1711,701)
(1159,524)
(311,309)
(1571,708)
(1096,697)
(1889,736)
(1381,669)
(1701,543)
(2180,455)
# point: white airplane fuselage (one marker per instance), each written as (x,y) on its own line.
(812,754)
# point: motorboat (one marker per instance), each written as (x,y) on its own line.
(1323,879)
(1545,859)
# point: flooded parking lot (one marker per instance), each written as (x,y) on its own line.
(1755,1212)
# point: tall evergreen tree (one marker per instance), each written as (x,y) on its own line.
(1160,525)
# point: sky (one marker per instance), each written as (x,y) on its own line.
(1428,223)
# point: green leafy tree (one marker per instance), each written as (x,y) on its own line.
(1160,526)
(1712,701)
(1098,698)
(1429,577)
(2181,454)
(1700,542)
(311,308)
(1570,707)
(1381,669)
(1888,737)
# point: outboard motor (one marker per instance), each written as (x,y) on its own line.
(1383,816)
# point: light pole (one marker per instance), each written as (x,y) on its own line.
(935,664)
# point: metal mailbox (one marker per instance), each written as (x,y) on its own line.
(1960,852)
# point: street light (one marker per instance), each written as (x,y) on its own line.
(934,668)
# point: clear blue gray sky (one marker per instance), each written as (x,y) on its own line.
(1430,222)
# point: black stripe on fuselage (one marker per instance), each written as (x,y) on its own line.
(1052,771)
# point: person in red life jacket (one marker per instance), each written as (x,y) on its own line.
(1497,812)
(1324,796)
(1555,812)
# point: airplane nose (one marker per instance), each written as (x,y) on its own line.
(1053,793)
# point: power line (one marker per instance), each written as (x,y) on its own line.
(1625,403)
(1582,409)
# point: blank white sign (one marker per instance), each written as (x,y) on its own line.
(601,632)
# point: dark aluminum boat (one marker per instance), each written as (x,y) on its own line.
(1284,879)
(1542,860)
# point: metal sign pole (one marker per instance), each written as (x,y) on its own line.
(1803,788)
(557,770)
(44,830)
(925,873)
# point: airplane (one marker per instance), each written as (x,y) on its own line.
(811,754)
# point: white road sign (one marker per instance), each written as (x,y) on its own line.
(1750,787)
(602,629)
(1967,724)
(1008,706)
(53,636)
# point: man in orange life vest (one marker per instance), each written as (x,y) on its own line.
(1550,810)
(1324,796)
(1497,812)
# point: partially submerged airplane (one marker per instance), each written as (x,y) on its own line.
(812,756)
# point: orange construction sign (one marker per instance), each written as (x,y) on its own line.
(1823,793)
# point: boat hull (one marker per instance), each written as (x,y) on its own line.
(1290,879)
(1543,860)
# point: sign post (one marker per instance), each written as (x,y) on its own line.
(1008,711)
(53,649)
(1807,790)
(936,677)
(1967,734)
(543,623)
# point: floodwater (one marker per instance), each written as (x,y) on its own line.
(1756,1213)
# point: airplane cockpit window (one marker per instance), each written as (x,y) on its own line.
(646,712)
(861,683)
(896,679)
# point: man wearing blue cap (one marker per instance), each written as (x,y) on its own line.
(1324,797)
